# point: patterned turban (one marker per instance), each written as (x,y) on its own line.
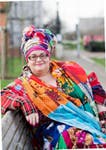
(37,39)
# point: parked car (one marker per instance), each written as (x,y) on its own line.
(94,42)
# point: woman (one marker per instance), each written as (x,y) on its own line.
(58,98)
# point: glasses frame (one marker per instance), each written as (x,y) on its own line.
(42,56)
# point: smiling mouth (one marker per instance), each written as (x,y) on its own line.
(39,64)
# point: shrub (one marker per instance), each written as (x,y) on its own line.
(97,46)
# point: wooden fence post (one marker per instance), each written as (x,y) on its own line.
(3,53)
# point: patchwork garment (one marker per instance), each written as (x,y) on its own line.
(71,117)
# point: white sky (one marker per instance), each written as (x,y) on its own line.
(71,10)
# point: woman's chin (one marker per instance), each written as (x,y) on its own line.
(39,68)
(38,71)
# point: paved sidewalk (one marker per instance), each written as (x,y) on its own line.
(89,65)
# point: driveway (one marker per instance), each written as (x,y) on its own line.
(84,59)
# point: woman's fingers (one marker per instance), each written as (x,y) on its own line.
(33,119)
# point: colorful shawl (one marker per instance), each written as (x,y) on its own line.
(64,104)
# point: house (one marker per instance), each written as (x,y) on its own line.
(91,26)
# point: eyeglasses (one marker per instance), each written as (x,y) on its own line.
(34,57)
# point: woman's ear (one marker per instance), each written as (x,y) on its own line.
(27,63)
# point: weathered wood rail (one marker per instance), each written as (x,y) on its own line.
(16,133)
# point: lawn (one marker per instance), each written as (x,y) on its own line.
(100,61)
(72,45)
(5,82)
(14,70)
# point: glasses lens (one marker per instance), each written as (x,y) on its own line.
(42,57)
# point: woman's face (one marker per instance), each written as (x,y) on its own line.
(39,61)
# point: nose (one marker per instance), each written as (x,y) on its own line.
(38,58)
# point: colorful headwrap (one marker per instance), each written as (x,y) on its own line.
(37,39)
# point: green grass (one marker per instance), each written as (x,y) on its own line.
(100,61)
(14,67)
(71,45)
(4,83)
(14,70)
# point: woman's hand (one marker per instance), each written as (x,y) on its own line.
(33,119)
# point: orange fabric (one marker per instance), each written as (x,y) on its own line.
(39,103)
(43,102)
(50,103)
